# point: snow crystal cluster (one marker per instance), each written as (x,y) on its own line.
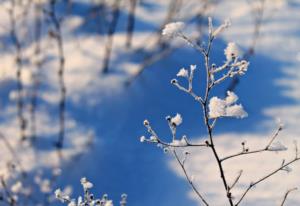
(232,51)
(88,199)
(277,147)
(185,73)
(179,143)
(226,107)
(176,120)
(173,29)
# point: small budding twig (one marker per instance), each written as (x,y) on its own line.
(157,140)
(247,151)
(110,36)
(57,34)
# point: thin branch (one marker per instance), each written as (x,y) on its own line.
(236,180)
(189,91)
(265,177)
(158,140)
(286,195)
(189,179)
(206,54)
(192,44)
(246,152)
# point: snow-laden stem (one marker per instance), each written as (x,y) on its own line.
(206,120)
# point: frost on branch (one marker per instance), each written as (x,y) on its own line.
(214,33)
(85,183)
(173,29)
(173,123)
(183,73)
(179,143)
(226,108)
(88,199)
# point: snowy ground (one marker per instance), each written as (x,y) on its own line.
(102,109)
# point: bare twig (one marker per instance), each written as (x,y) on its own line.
(252,184)
(286,195)
(189,179)
(236,180)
